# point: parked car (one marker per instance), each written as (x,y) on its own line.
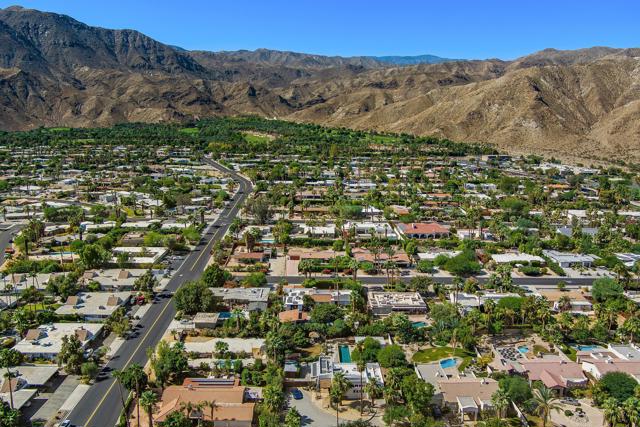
(297,394)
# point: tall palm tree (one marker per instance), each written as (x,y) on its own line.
(612,411)
(148,400)
(374,391)
(545,401)
(212,405)
(362,365)
(339,387)
(631,409)
(118,376)
(500,401)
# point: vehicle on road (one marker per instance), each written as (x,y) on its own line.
(297,394)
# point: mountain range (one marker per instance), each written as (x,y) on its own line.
(575,104)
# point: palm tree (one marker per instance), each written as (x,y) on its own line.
(237,313)
(354,265)
(613,413)
(362,365)
(631,409)
(374,390)
(212,405)
(118,376)
(148,400)
(339,387)
(500,401)
(545,402)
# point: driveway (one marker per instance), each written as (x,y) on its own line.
(593,416)
(312,416)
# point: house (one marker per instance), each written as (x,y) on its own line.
(115,279)
(250,257)
(385,303)
(324,368)
(468,396)
(206,320)
(469,301)
(423,230)
(570,260)
(45,342)
(234,297)
(294,297)
(253,346)
(25,383)
(557,374)
(615,358)
(399,259)
(139,255)
(516,257)
(293,316)
(628,259)
(92,306)
(231,408)
(368,230)
(573,301)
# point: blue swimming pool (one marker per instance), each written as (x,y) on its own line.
(224,315)
(419,325)
(586,347)
(448,363)
(345,356)
(523,349)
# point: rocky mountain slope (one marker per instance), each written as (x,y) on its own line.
(55,70)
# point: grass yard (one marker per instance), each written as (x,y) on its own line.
(429,355)
(190,131)
(312,351)
(253,138)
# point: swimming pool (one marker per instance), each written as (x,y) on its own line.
(419,325)
(523,349)
(590,347)
(448,363)
(345,356)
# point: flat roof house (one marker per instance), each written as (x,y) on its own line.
(323,370)
(243,296)
(45,342)
(294,297)
(423,230)
(468,396)
(568,259)
(94,305)
(385,303)
(516,257)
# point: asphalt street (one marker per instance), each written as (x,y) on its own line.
(101,405)
(538,282)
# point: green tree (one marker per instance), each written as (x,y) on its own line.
(293,418)
(71,354)
(8,359)
(545,401)
(215,277)
(148,400)
(194,297)
(392,356)
(606,288)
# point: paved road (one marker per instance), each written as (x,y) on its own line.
(538,282)
(101,405)
(7,235)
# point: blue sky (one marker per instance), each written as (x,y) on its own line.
(455,29)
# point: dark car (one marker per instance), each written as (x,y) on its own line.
(297,394)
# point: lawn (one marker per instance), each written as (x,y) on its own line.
(437,353)
(253,138)
(190,131)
